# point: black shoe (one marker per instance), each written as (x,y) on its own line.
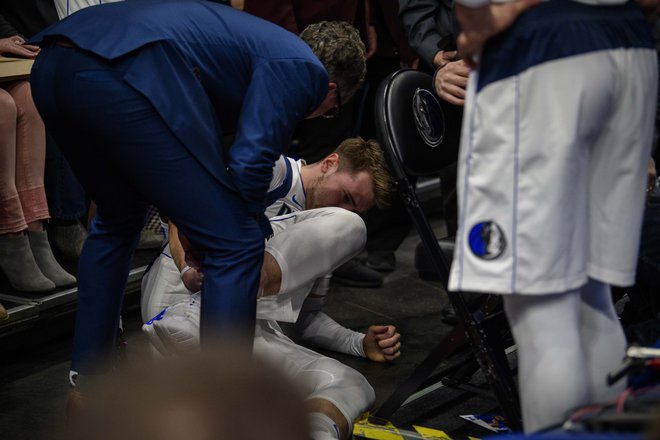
(354,273)
(382,261)
(448,315)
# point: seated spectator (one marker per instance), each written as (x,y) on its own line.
(25,254)
(67,201)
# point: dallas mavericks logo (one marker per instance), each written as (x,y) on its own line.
(487,240)
(429,119)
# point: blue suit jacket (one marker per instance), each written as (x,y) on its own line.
(209,69)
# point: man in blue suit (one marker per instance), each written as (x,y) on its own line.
(141,93)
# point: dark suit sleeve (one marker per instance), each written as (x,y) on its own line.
(6,29)
(281,93)
(425,23)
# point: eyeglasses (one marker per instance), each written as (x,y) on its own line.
(336,110)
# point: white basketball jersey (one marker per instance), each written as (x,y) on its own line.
(286,193)
(67,7)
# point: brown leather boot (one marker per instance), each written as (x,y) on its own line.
(3,313)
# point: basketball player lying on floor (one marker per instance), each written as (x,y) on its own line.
(314,232)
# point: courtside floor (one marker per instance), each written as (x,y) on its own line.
(34,361)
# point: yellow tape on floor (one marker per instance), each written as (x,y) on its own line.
(429,433)
(364,429)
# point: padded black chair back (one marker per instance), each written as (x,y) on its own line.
(420,130)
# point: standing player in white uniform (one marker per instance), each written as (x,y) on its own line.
(312,236)
(556,138)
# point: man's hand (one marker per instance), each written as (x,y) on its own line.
(443,57)
(16,46)
(480,24)
(451,80)
(381,343)
(193,279)
(193,257)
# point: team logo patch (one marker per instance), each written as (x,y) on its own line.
(429,119)
(487,240)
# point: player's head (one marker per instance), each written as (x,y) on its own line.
(338,46)
(353,177)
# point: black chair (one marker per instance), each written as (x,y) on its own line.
(410,123)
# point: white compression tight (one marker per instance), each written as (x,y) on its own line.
(567,343)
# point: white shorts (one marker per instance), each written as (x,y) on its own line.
(319,376)
(557,133)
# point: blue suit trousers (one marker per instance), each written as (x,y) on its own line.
(126,156)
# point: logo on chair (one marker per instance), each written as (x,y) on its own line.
(429,119)
(487,240)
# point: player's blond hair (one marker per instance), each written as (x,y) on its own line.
(356,154)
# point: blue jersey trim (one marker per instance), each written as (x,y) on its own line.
(559,29)
(283,189)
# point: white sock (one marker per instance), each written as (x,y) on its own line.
(323,427)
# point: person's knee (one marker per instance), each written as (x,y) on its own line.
(345,388)
(26,109)
(8,110)
(347,227)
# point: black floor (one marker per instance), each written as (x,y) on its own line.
(34,363)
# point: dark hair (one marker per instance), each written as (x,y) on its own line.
(338,46)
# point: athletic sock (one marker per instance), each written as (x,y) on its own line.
(323,427)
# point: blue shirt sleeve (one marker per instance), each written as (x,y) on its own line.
(281,93)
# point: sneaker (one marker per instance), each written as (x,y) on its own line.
(382,261)
(448,315)
(175,330)
(354,273)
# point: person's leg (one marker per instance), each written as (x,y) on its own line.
(30,157)
(103,272)
(16,259)
(67,203)
(30,154)
(66,197)
(12,219)
(336,393)
(602,339)
(309,244)
(552,362)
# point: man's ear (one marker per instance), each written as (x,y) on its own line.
(330,163)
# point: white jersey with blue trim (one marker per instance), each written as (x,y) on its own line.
(286,193)
(67,7)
